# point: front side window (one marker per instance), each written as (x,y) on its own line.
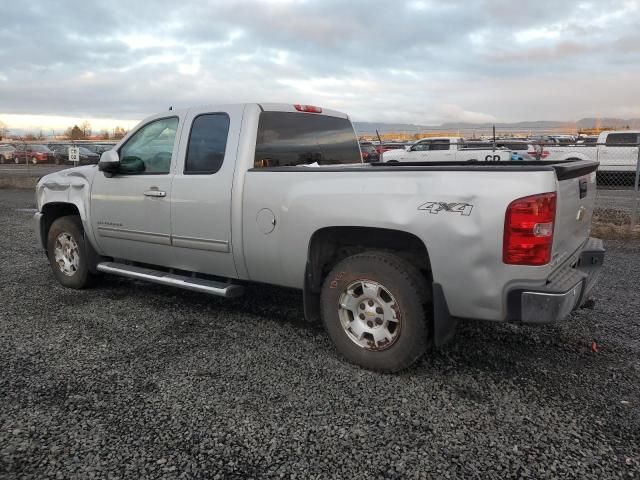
(421,147)
(289,139)
(207,144)
(149,150)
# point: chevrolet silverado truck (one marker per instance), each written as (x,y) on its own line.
(446,149)
(389,257)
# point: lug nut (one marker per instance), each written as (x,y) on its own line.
(362,306)
(361,316)
(371,303)
(370,324)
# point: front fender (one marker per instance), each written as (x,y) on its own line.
(71,186)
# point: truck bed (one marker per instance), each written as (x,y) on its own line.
(564,169)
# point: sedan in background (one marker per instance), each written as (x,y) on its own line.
(32,153)
(6,153)
(369,153)
(61,153)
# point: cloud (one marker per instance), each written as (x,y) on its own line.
(414,61)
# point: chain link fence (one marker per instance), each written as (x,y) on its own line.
(36,153)
(617,207)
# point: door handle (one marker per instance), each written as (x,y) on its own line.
(155,193)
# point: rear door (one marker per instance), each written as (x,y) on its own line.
(201,194)
(440,150)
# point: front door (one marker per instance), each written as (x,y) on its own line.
(202,188)
(131,210)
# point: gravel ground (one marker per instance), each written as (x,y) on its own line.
(132,380)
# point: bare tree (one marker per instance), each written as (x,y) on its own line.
(118,133)
(86,129)
(4,131)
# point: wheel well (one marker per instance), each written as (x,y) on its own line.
(330,245)
(53,211)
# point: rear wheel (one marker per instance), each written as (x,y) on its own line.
(374,309)
(67,252)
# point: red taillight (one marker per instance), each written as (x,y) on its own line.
(528,230)
(308,108)
(543,154)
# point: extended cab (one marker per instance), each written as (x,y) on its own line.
(388,256)
(446,149)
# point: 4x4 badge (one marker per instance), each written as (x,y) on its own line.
(437,207)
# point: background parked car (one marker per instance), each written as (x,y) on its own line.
(522,151)
(33,153)
(61,154)
(98,148)
(6,153)
(369,152)
(385,147)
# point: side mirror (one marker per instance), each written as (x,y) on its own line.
(109,161)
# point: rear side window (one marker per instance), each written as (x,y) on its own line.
(439,145)
(288,139)
(207,144)
(622,139)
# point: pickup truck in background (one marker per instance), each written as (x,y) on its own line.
(446,149)
(387,256)
(614,151)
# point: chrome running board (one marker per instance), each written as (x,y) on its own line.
(212,287)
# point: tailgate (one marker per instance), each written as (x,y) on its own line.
(575,203)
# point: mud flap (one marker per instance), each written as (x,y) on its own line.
(444,325)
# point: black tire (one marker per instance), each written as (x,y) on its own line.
(411,293)
(72,226)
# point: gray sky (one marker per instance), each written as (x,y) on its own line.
(417,61)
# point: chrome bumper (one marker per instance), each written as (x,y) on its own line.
(566,290)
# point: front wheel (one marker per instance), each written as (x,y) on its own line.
(374,309)
(67,252)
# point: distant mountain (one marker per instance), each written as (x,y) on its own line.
(539,126)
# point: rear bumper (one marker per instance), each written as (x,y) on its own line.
(565,291)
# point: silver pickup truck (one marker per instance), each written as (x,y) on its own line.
(389,257)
